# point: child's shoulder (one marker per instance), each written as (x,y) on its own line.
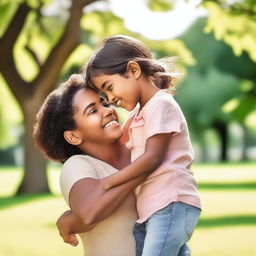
(162,97)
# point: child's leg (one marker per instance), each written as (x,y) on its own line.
(139,232)
(169,229)
(184,250)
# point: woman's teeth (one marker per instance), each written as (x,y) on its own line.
(110,123)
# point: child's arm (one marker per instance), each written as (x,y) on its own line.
(92,208)
(156,147)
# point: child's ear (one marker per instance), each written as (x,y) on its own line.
(72,138)
(133,68)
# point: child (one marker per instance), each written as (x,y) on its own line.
(168,202)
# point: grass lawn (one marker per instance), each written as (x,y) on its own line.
(227,225)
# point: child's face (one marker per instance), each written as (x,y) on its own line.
(123,91)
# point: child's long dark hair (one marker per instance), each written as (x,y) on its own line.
(114,54)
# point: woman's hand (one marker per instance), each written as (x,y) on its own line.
(69,225)
(65,230)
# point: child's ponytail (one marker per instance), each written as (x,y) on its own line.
(161,72)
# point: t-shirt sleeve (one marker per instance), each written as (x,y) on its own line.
(162,116)
(74,169)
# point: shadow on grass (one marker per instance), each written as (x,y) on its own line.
(216,186)
(13,201)
(236,220)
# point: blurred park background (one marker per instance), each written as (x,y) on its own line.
(42,42)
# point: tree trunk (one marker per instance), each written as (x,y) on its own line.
(30,95)
(203,148)
(246,142)
(222,130)
(35,177)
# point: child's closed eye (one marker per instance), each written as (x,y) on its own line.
(110,88)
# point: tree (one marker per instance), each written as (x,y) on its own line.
(214,86)
(234,23)
(45,44)
(30,93)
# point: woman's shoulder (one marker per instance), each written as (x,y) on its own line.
(87,164)
(76,160)
(78,165)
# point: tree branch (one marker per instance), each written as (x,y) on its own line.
(15,26)
(33,54)
(87,2)
(61,51)
(7,42)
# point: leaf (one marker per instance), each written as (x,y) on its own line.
(160,5)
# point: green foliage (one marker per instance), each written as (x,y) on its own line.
(175,47)
(250,120)
(103,24)
(160,5)
(39,38)
(223,221)
(246,105)
(237,29)
(218,77)
(10,117)
(7,9)
(202,97)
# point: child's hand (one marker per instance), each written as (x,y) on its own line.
(65,231)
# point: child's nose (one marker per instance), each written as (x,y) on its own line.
(111,98)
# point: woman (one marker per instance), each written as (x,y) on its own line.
(79,128)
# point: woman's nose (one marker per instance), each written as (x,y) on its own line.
(108,111)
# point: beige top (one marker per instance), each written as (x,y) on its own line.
(112,236)
(173,180)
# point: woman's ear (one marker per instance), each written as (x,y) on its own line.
(72,138)
(133,68)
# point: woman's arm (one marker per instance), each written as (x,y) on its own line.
(90,203)
(153,156)
(68,224)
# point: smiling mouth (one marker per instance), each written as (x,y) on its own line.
(118,103)
(110,124)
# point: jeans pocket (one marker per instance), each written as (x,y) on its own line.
(192,217)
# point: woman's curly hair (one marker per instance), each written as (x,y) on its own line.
(56,116)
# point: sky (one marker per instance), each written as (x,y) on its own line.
(154,25)
(140,19)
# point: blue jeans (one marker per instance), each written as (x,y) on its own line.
(167,231)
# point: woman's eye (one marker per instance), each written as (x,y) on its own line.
(106,104)
(93,111)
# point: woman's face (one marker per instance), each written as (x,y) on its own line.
(96,121)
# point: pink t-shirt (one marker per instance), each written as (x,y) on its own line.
(172,181)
